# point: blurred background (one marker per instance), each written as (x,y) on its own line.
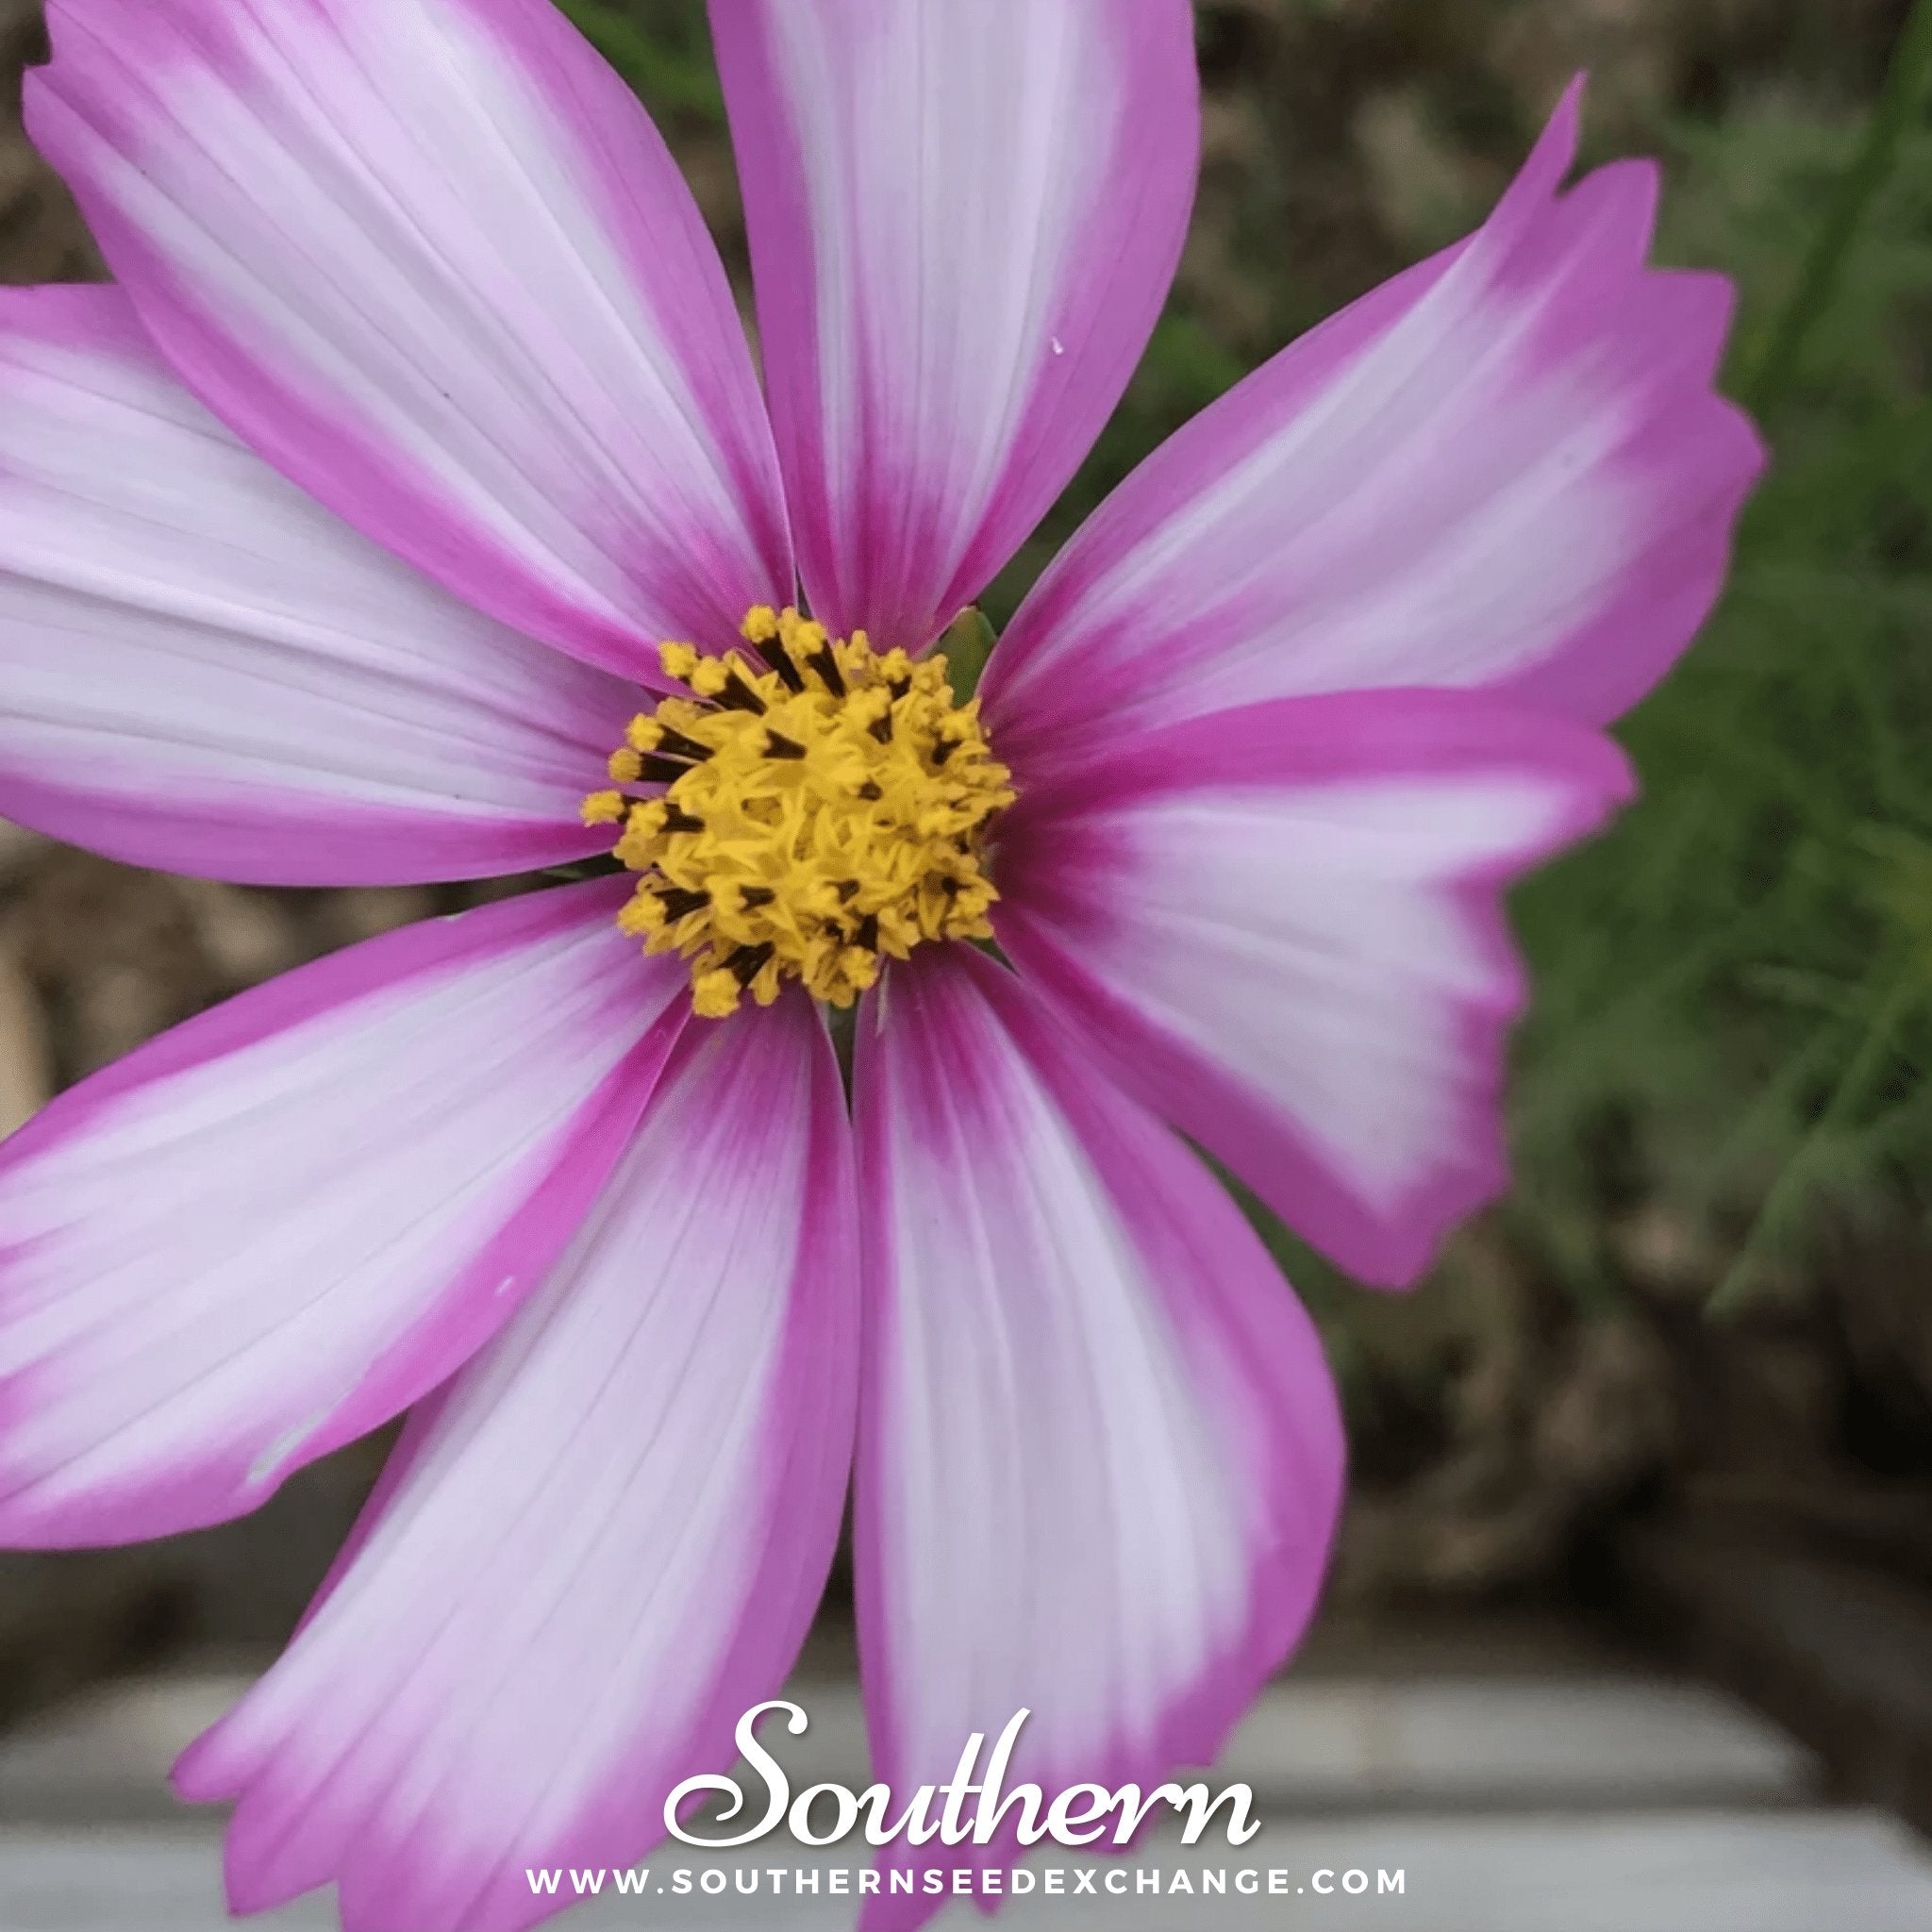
(1679,1389)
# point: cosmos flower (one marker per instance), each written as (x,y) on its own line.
(410,510)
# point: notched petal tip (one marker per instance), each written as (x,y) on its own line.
(1339,1050)
(1532,499)
(482,1687)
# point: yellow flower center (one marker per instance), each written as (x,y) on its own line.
(821,810)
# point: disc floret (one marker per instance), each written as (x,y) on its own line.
(811,809)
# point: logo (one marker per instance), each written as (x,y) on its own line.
(828,1814)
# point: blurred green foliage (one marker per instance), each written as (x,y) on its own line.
(1734,988)
(1732,1014)
(662,51)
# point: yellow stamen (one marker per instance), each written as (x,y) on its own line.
(827,814)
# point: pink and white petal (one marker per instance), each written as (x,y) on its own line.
(431,259)
(1100,1455)
(271,1229)
(1508,469)
(964,221)
(206,672)
(598,1547)
(1284,928)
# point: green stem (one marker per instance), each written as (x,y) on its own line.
(1853,1091)
(1904,84)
